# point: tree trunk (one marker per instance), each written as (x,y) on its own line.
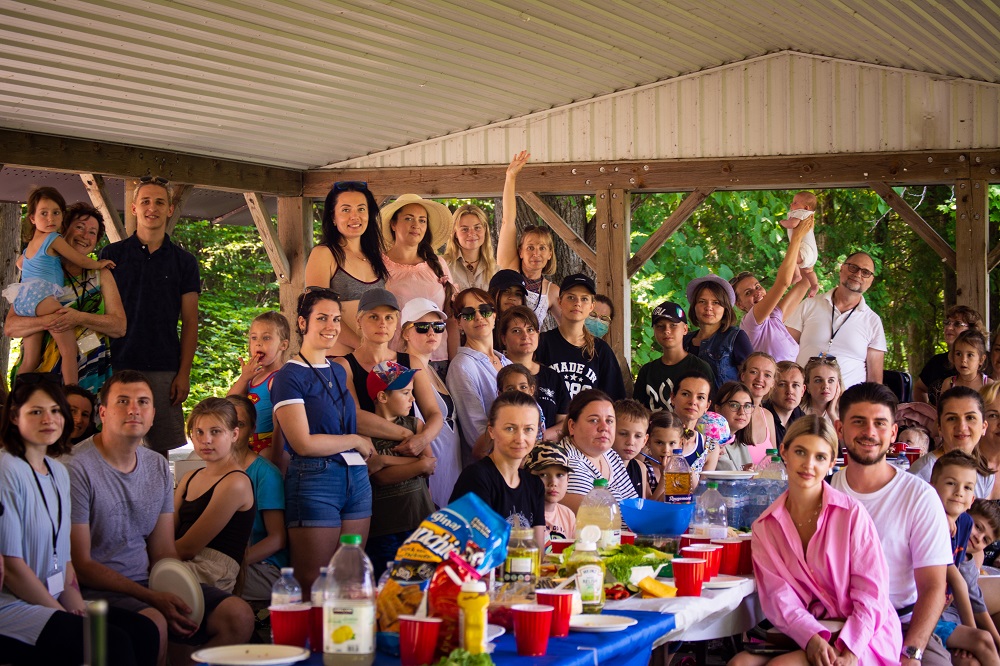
(573,210)
(10,247)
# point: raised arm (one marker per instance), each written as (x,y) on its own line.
(507,237)
(786,271)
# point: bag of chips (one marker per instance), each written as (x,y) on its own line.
(467,526)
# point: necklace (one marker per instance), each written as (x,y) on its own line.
(470,265)
(814,516)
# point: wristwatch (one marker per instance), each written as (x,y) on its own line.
(910,652)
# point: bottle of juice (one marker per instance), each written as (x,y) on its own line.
(349,606)
(600,508)
(677,478)
(472,604)
(589,569)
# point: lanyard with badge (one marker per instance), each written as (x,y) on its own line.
(351,457)
(833,313)
(55,581)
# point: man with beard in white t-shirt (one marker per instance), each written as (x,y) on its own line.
(907,514)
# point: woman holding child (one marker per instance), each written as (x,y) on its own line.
(817,556)
(348,259)
(327,490)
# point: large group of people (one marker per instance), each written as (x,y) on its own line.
(418,377)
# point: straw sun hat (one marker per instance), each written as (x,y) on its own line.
(438,218)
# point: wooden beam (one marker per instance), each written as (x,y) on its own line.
(131,185)
(684,210)
(993,258)
(98,193)
(563,230)
(613,239)
(917,223)
(735,173)
(178,198)
(62,153)
(295,224)
(269,236)
(971,232)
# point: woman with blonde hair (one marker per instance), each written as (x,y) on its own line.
(824,384)
(469,252)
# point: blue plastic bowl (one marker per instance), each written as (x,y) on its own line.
(648,517)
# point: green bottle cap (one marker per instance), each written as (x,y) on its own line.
(600,483)
(351,539)
(713,484)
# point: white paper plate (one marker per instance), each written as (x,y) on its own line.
(600,624)
(728,475)
(251,655)
(493,632)
(719,582)
(170,575)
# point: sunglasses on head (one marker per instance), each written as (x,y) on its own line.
(824,358)
(154,180)
(424,327)
(324,292)
(468,314)
(345,185)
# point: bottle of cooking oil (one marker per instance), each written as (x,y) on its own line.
(677,478)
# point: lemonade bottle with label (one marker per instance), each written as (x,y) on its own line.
(349,606)
(600,508)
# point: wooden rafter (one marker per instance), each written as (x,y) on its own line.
(269,236)
(736,173)
(98,193)
(917,223)
(563,230)
(971,229)
(684,210)
(178,198)
(993,258)
(613,218)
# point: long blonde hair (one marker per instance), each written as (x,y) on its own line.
(486,253)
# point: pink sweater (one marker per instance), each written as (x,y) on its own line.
(406,282)
(842,575)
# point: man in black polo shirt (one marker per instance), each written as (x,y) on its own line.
(159,284)
(785,398)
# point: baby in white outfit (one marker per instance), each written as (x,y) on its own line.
(802,207)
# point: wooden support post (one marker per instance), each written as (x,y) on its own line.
(131,184)
(563,230)
(98,193)
(971,232)
(614,224)
(178,198)
(295,225)
(684,210)
(917,223)
(269,236)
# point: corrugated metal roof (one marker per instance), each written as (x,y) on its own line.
(312,82)
(780,104)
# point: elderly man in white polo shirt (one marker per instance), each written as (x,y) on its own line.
(839,323)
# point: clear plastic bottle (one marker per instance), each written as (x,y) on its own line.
(588,567)
(286,590)
(349,606)
(765,461)
(898,457)
(775,470)
(676,478)
(600,508)
(710,513)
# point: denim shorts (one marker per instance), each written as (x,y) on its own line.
(323,492)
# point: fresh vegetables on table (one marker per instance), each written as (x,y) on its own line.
(619,561)
(460,657)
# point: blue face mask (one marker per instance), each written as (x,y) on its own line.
(596,327)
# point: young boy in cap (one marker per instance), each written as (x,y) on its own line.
(656,379)
(400,497)
(548,462)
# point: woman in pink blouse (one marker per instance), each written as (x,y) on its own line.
(817,556)
(413,228)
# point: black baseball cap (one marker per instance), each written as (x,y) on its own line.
(578,280)
(670,311)
(505,279)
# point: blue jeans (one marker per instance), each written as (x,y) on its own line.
(323,492)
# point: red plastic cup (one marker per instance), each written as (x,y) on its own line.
(562,604)
(712,554)
(418,638)
(746,556)
(628,537)
(532,624)
(291,624)
(689,574)
(913,453)
(692,539)
(559,545)
(731,548)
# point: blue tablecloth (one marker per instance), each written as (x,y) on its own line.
(631,647)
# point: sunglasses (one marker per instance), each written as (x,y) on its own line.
(347,185)
(424,327)
(824,358)
(155,180)
(468,314)
(854,269)
(739,407)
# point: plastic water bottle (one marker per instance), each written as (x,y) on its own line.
(765,461)
(677,478)
(775,470)
(710,514)
(899,458)
(286,590)
(349,606)
(737,500)
(600,508)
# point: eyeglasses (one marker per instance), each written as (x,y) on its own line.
(739,407)
(345,185)
(954,323)
(153,180)
(468,314)
(424,327)
(854,269)
(605,318)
